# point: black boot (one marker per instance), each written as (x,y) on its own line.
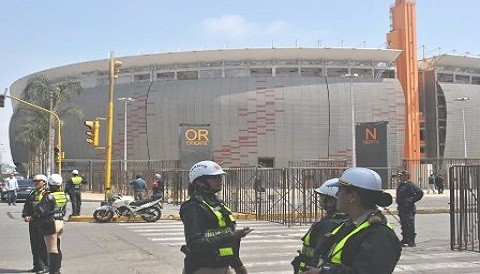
(54,263)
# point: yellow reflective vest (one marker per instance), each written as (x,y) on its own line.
(223,226)
(336,252)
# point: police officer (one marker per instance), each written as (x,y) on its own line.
(37,243)
(74,189)
(315,237)
(51,210)
(408,194)
(212,240)
(366,242)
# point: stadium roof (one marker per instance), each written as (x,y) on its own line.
(172,58)
(457,61)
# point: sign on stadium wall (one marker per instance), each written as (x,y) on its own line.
(372,147)
(195,144)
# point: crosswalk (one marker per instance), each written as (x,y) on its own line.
(271,247)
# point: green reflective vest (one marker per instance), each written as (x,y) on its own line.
(76,180)
(60,203)
(223,228)
(336,251)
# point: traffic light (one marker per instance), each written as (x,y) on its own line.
(116,68)
(92,133)
(2,100)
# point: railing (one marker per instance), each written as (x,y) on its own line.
(464,182)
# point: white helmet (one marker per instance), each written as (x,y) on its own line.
(75,172)
(40,177)
(327,189)
(157,176)
(204,168)
(55,180)
(362,178)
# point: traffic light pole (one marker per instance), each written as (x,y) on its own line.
(59,127)
(113,74)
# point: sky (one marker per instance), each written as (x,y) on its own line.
(36,34)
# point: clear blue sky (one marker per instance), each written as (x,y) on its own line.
(38,34)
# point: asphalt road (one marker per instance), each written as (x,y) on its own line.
(154,248)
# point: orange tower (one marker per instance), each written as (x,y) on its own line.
(403,36)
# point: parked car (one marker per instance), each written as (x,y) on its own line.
(24,188)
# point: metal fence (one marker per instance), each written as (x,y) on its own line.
(464,184)
(420,170)
(283,196)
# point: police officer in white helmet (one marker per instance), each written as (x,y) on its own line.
(366,242)
(35,230)
(313,241)
(51,209)
(212,240)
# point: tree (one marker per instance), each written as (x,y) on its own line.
(33,133)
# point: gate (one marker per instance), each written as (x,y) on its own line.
(283,196)
(464,184)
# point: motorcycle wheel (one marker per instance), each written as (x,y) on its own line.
(152,214)
(102,215)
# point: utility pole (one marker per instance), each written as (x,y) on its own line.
(125,102)
(114,68)
(463,100)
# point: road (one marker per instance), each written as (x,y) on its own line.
(154,247)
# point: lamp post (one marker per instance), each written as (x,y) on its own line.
(125,101)
(352,108)
(463,100)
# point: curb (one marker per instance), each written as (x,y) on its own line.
(238,216)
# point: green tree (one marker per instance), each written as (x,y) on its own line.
(33,133)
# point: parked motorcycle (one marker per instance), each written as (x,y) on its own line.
(150,209)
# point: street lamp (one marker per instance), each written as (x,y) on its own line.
(125,101)
(352,108)
(463,100)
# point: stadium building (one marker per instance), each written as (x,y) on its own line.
(268,107)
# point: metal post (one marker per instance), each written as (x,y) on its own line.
(352,109)
(108,147)
(59,125)
(352,106)
(125,102)
(463,100)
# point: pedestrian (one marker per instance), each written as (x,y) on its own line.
(11,186)
(51,210)
(431,183)
(139,188)
(158,186)
(212,240)
(314,240)
(366,242)
(408,193)
(439,182)
(73,188)
(37,243)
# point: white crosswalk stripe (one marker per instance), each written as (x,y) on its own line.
(271,247)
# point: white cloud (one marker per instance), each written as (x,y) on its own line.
(237,27)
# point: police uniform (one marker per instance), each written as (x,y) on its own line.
(210,245)
(51,210)
(313,241)
(407,195)
(74,190)
(370,246)
(37,243)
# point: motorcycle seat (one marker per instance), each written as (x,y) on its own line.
(144,201)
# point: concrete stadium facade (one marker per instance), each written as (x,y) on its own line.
(275,105)
(451,129)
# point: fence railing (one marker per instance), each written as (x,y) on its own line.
(464,184)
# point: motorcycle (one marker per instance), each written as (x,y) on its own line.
(150,209)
